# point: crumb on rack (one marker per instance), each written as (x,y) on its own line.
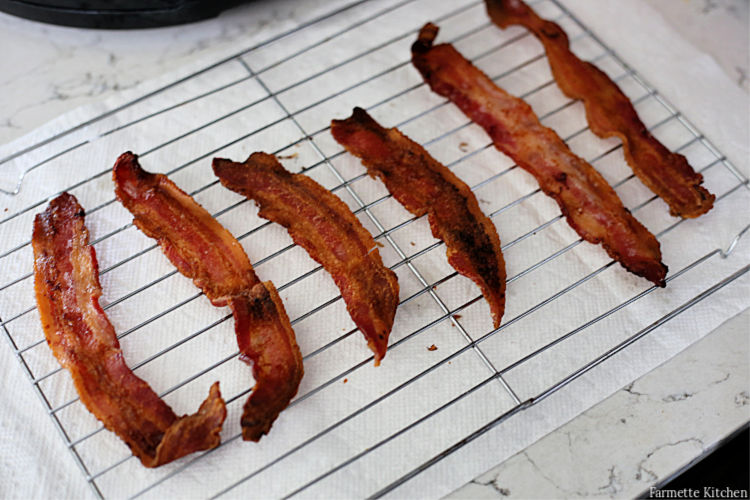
(463,146)
(456,316)
(346,380)
(433,347)
(288,157)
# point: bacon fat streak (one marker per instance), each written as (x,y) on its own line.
(610,113)
(66,282)
(203,250)
(590,205)
(425,186)
(324,226)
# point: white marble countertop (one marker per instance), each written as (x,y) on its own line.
(629,442)
(618,448)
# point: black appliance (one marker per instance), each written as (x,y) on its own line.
(116,14)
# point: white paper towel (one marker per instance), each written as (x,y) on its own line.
(333,404)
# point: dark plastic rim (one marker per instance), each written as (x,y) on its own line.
(183,12)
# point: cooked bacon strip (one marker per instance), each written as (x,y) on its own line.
(589,204)
(324,226)
(198,246)
(266,339)
(203,250)
(66,282)
(425,186)
(610,113)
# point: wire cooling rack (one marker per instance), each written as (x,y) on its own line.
(569,307)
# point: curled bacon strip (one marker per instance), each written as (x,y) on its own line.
(66,282)
(610,113)
(203,250)
(198,246)
(589,204)
(324,226)
(266,338)
(425,186)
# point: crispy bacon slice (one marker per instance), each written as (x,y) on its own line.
(266,339)
(203,250)
(66,282)
(197,245)
(425,186)
(589,204)
(324,226)
(610,113)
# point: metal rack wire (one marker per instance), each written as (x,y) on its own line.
(438,306)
